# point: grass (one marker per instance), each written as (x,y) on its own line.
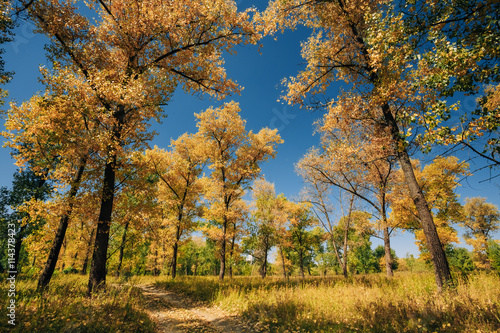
(407,303)
(63,307)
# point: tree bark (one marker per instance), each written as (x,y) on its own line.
(263,268)
(441,268)
(387,250)
(231,251)
(223,251)
(97,277)
(50,265)
(174,260)
(17,248)
(283,261)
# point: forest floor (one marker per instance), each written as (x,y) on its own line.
(175,313)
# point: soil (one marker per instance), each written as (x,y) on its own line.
(175,313)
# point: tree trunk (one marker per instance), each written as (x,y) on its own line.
(174,260)
(223,251)
(17,248)
(388,256)
(122,249)
(283,261)
(231,252)
(441,268)
(344,261)
(301,264)
(50,265)
(97,277)
(263,268)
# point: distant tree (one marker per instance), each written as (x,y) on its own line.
(20,215)
(438,181)
(263,224)
(234,155)
(494,255)
(460,259)
(362,259)
(481,219)
(379,253)
(179,187)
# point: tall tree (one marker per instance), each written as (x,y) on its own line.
(179,185)
(358,42)
(128,62)
(234,155)
(348,160)
(20,213)
(301,219)
(262,225)
(481,219)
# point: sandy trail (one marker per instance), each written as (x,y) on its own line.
(173,313)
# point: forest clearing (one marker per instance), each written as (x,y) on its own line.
(371,205)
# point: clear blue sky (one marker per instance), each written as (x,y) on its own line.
(260,75)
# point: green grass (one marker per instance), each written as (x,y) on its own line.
(63,307)
(407,303)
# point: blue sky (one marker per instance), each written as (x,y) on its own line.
(260,74)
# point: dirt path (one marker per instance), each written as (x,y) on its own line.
(173,313)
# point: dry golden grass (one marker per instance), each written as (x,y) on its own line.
(64,308)
(407,303)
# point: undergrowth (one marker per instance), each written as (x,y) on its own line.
(63,307)
(372,303)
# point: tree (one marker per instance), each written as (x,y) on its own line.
(362,44)
(347,161)
(234,155)
(263,224)
(301,239)
(461,259)
(6,26)
(481,219)
(20,214)
(128,62)
(179,186)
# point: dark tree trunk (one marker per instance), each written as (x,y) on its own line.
(388,256)
(174,260)
(223,251)
(122,249)
(344,261)
(301,264)
(283,261)
(50,265)
(97,277)
(441,267)
(263,268)
(231,252)
(17,248)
